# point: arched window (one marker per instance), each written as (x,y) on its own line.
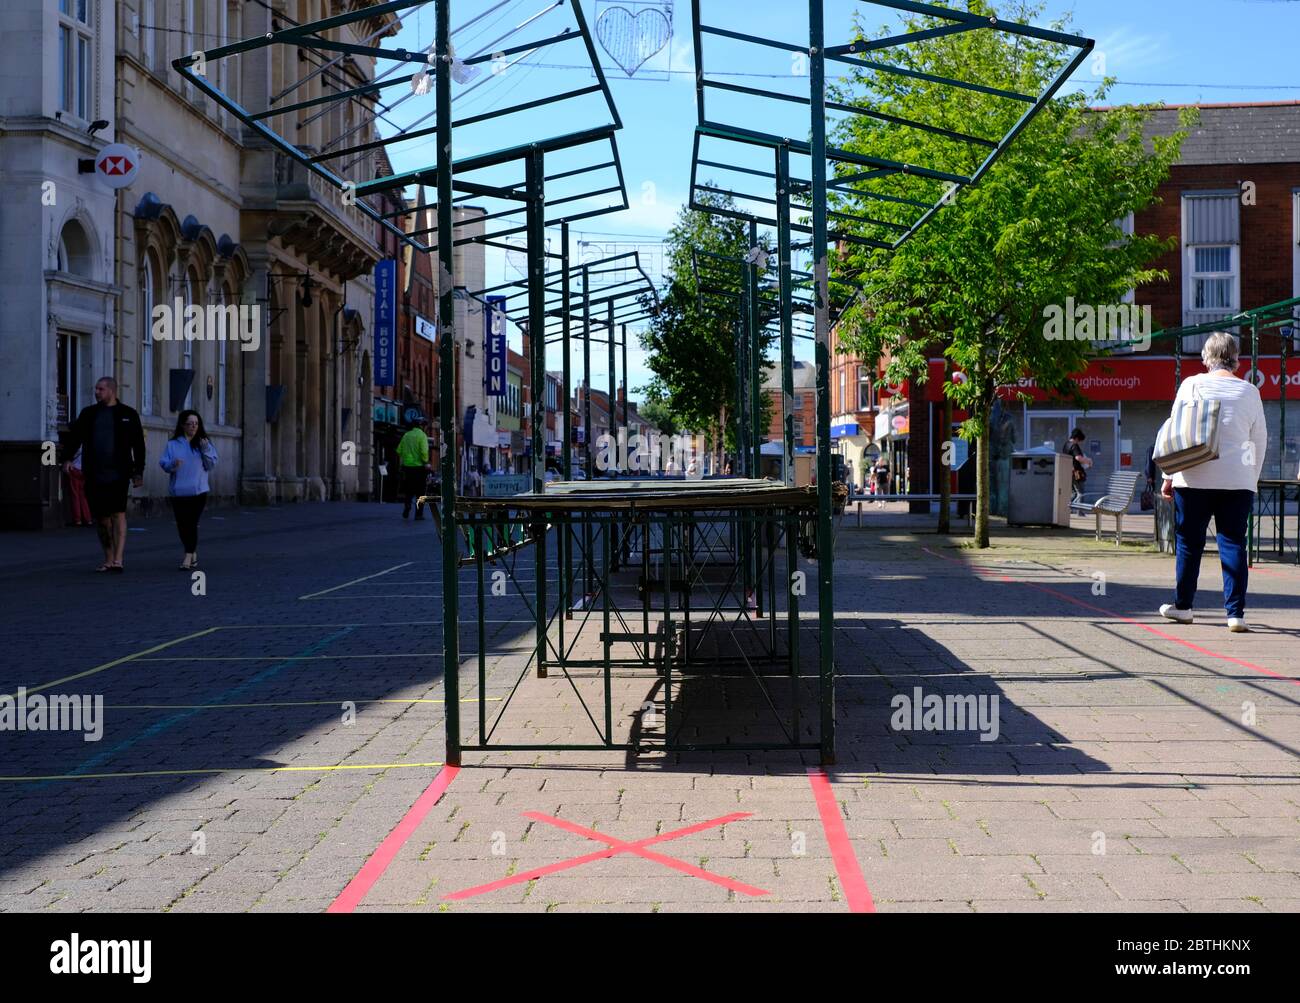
(75,254)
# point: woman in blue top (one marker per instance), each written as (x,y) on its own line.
(188,458)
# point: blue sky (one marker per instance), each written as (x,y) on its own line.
(1171,51)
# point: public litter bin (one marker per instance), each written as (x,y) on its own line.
(1039,492)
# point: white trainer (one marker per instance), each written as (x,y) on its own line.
(1237,625)
(1170,612)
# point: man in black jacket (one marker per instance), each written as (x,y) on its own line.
(112,458)
(1074,449)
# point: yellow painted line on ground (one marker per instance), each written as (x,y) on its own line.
(285,658)
(390,623)
(364,578)
(115,662)
(282,703)
(230,769)
(395,595)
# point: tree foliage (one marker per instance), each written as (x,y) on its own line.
(691,337)
(1042,225)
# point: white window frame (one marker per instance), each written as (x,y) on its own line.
(223,351)
(77,76)
(1195,343)
(148,33)
(223,31)
(146,335)
(189,34)
(1233,274)
(1295,260)
(187,345)
(864,379)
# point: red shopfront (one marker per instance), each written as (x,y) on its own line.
(1129,400)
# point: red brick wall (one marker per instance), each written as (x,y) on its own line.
(1266,234)
(805,410)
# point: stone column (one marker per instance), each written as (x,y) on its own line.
(286,426)
(256,484)
(313,403)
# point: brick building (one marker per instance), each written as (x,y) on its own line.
(1233,204)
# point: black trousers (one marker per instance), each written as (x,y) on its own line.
(413,482)
(188,509)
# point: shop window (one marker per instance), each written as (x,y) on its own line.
(68,348)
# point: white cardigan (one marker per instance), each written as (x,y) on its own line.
(1243,436)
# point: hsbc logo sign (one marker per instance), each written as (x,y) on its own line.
(117,164)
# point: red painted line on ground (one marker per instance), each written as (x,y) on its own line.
(638,849)
(373,869)
(837,837)
(617,846)
(1137,623)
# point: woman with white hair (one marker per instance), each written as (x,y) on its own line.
(1223,488)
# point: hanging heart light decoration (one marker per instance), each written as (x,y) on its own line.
(633,39)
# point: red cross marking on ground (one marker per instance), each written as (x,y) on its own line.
(617,846)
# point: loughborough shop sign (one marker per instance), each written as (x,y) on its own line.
(494,337)
(385,320)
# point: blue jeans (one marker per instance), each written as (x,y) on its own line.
(1193,508)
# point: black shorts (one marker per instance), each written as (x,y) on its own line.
(106,499)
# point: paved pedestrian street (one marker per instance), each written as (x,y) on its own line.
(277,743)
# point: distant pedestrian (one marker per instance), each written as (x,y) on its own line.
(1079,475)
(77,492)
(413,455)
(1223,488)
(882,481)
(188,457)
(111,439)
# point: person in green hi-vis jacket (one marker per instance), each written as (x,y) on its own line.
(413,455)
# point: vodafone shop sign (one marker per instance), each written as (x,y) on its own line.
(1137,379)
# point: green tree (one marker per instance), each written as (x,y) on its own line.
(656,411)
(975,284)
(692,335)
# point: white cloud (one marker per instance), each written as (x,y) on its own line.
(1130,53)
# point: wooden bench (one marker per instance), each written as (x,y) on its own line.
(1118,497)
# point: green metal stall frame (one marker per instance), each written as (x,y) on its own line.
(452,178)
(853,171)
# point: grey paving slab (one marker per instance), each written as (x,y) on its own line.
(1106,731)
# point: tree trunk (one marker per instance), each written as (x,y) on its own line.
(722,439)
(982,471)
(945,455)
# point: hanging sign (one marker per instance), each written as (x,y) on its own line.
(494,336)
(385,320)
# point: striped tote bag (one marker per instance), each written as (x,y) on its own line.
(1189,437)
